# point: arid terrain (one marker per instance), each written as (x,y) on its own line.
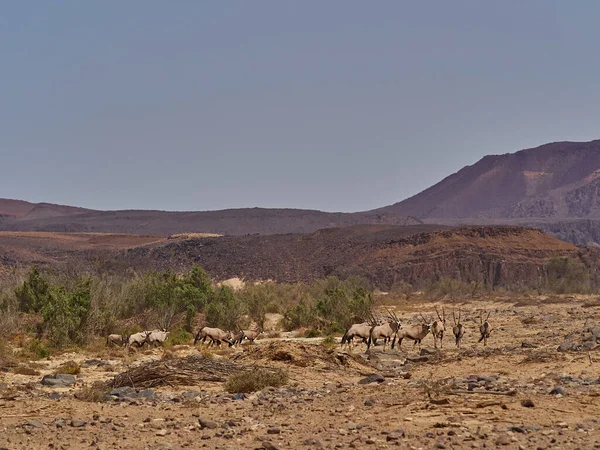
(518,392)
(511,257)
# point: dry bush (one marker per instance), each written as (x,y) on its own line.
(542,356)
(274,335)
(329,342)
(529,320)
(69,367)
(95,393)
(23,370)
(7,356)
(245,382)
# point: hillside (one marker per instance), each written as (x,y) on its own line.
(19,210)
(559,181)
(496,256)
(229,221)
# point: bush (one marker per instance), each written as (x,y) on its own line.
(312,334)
(329,342)
(95,393)
(35,349)
(180,337)
(24,370)
(69,367)
(65,314)
(246,382)
(566,275)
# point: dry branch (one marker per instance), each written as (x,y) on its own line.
(188,371)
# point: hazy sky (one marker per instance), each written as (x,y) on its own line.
(333,105)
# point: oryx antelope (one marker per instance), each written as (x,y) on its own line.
(484,328)
(157,337)
(139,339)
(362,330)
(458,329)
(251,335)
(414,332)
(438,328)
(117,339)
(237,338)
(216,336)
(385,331)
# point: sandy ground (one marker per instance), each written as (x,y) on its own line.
(473,398)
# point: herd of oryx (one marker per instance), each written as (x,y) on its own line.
(369,332)
(158,337)
(391,330)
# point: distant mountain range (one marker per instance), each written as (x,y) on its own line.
(555,187)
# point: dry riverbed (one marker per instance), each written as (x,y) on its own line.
(519,392)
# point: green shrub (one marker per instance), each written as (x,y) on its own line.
(566,275)
(312,333)
(180,337)
(246,382)
(35,349)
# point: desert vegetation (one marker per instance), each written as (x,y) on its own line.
(62,309)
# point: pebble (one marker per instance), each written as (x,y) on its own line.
(503,439)
(206,423)
(374,378)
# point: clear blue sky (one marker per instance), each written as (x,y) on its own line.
(332,105)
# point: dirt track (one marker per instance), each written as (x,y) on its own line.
(448,399)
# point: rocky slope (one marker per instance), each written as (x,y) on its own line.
(558,180)
(495,256)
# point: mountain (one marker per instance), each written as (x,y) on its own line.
(47,217)
(554,187)
(554,181)
(19,210)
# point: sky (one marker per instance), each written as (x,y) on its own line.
(336,105)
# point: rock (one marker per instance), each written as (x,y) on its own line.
(558,390)
(273,430)
(123,392)
(162,432)
(374,378)
(369,403)
(147,394)
(54,396)
(33,424)
(426,352)
(528,345)
(78,423)
(569,346)
(206,423)
(268,445)
(503,439)
(527,403)
(59,380)
(440,445)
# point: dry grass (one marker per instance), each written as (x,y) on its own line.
(95,393)
(246,382)
(69,367)
(542,356)
(24,370)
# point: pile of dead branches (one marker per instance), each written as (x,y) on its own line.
(188,371)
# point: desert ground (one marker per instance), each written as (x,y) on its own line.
(518,392)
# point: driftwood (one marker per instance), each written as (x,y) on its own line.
(178,371)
